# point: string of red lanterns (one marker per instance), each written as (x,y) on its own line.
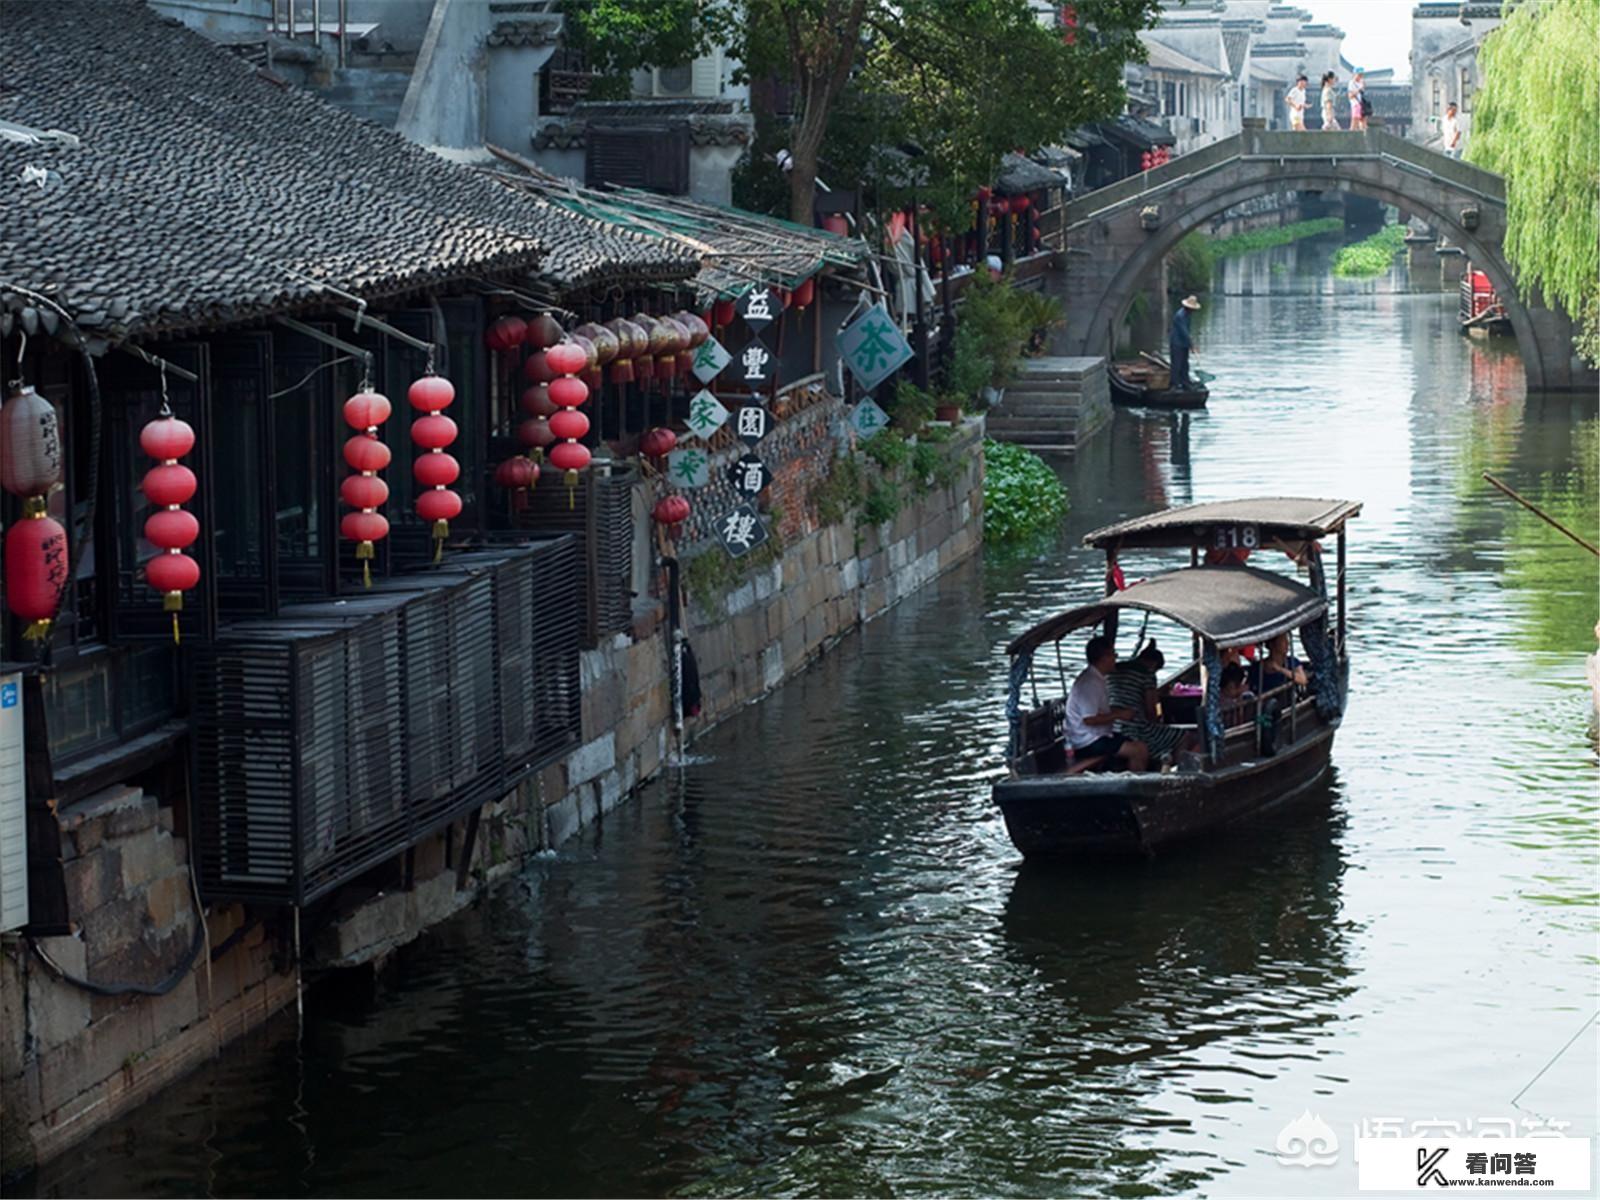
(169,484)
(365,454)
(435,470)
(568,393)
(36,546)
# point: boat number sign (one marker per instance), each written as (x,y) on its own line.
(1235,537)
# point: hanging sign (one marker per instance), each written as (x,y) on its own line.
(741,531)
(709,359)
(706,414)
(758,307)
(867,418)
(749,476)
(873,347)
(689,467)
(750,424)
(755,366)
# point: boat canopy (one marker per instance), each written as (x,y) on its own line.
(1290,518)
(1227,605)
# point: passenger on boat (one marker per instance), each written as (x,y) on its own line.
(1234,692)
(1133,685)
(1090,716)
(1279,667)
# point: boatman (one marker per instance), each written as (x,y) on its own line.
(1090,717)
(1179,343)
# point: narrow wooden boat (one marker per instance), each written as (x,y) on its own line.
(1143,385)
(1256,753)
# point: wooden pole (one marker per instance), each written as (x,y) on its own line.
(1542,515)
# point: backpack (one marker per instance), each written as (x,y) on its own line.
(1366,107)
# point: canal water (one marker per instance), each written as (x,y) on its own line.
(812,963)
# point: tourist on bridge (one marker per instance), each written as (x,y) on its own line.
(1358,100)
(1450,132)
(1330,83)
(1296,99)
(1180,342)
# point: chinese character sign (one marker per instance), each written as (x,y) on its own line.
(755,366)
(867,419)
(751,424)
(741,531)
(749,476)
(706,414)
(709,359)
(689,467)
(758,308)
(873,347)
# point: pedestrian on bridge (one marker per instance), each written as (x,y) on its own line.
(1330,83)
(1450,132)
(1296,99)
(1179,343)
(1358,100)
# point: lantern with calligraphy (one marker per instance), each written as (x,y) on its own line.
(30,444)
(36,568)
(168,485)
(366,455)
(435,470)
(569,393)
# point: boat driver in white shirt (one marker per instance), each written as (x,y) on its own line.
(1089,714)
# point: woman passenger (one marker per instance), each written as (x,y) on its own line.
(1279,667)
(1134,685)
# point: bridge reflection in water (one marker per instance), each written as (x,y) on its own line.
(814,964)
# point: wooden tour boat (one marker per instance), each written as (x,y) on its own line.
(1145,383)
(1255,753)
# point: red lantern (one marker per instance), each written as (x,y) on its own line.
(366,527)
(671,510)
(435,470)
(36,569)
(658,443)
(538,369)
(644,368)
(1019,204)
(686,365)
(535,433)
(543,332)
(622,371)
(723,313)
(536,401)
(30,444)
(569,424)
(592,379)
(167,485)
(805,293)
(364,491)
(569,392)
(667,366)
(836,224)
(505,334)
(566,358)
(570,457)
(517,472)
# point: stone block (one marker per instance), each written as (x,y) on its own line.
(167,898)
(741,598)
(771,666)
(145,856)
(553,782)
(602,704)
(57,1012)
(899,554)
(92,880)
(360,935)
(431,902)
(429,858)
(591,759)
(651,755)
(562,820)
(767,582)
(115,1043)
(850,576)
(795,650)
(816,627)
(609,791)
(749,634)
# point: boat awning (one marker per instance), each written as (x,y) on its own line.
(1286,517)
(1231,606)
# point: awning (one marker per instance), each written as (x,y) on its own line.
(1231,606)
(1287,517)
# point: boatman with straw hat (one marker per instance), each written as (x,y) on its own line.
(1179,342)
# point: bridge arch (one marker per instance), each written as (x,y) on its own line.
(1114,241)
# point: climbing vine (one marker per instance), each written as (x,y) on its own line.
(1534,121)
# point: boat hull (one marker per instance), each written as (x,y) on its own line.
(1069,816)
(1136,395)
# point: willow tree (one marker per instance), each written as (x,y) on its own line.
(1536,121)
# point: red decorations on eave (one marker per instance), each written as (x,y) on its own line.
(168,485)
(435,470)
(364,491)
(569,393)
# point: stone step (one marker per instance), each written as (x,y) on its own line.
(1030,397)
(1021,425)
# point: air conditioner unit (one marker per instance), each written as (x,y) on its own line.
(673,81)
(13,808)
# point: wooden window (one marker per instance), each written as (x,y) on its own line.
(653,157)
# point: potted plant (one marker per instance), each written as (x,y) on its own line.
(912,407)
(967,374)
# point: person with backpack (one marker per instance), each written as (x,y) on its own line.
(1358,100)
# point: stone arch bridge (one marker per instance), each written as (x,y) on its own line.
(1117,235)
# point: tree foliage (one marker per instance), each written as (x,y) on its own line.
(1535,121)
(965,80)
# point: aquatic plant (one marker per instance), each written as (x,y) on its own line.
(1021,494)
(1371,255)
(1280,235)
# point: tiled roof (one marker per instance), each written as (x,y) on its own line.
(1161,57)
(1235,42)
(1018,175)
(203,191)
(734,249)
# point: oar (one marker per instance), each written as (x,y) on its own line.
(1203,376)
(1542,515)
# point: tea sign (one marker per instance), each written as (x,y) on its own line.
(873,347)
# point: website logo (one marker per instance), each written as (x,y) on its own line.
(1307,1141)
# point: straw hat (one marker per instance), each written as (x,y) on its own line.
(1191,303)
